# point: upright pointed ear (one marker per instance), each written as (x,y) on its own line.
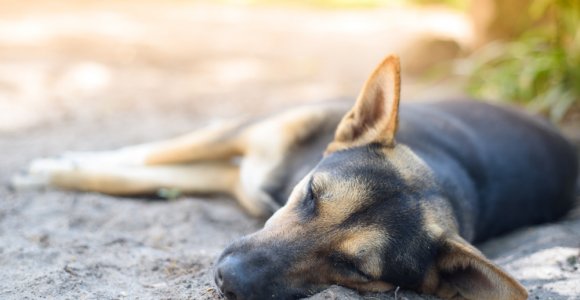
(374,117)
(464,273)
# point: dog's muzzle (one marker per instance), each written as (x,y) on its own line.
(246,271)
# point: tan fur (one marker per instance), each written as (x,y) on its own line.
(363,243)
(438,218)
(212,143)
(483,279)
(366,242)
(374,117)
(134,180)
(345,198)
(197,163)
(431,282)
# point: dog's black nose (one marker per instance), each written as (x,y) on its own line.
(229,277)
(249,272)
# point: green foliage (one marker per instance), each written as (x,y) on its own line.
(169,194)
(540,69)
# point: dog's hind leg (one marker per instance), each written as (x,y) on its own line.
(210,177)
(200,162)
(217,142)
(126,180)
(220,141)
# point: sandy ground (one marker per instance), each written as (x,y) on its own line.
(100,75)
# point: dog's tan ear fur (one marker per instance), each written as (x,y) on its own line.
(374,117)
(464,273)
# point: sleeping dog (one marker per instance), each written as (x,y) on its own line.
(371,197)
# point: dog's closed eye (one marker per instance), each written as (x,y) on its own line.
(348,267)
(307,207)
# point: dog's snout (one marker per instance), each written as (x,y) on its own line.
(229,277)
(250,270)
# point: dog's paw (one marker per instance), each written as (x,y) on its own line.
(40,172)
(129,156)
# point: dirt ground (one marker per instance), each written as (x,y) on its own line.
(99,75)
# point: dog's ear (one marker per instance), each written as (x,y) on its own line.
(374,117)
(465,272)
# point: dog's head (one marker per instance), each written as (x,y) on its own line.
(369,217)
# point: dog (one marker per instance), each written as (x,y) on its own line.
(370,197)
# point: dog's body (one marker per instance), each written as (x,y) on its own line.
(362,210)
(470,147)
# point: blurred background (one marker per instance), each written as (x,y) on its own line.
(180,62)
(101,74)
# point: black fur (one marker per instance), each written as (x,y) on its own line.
(498,169)
(490,162)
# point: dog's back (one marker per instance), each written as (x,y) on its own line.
(504,169)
